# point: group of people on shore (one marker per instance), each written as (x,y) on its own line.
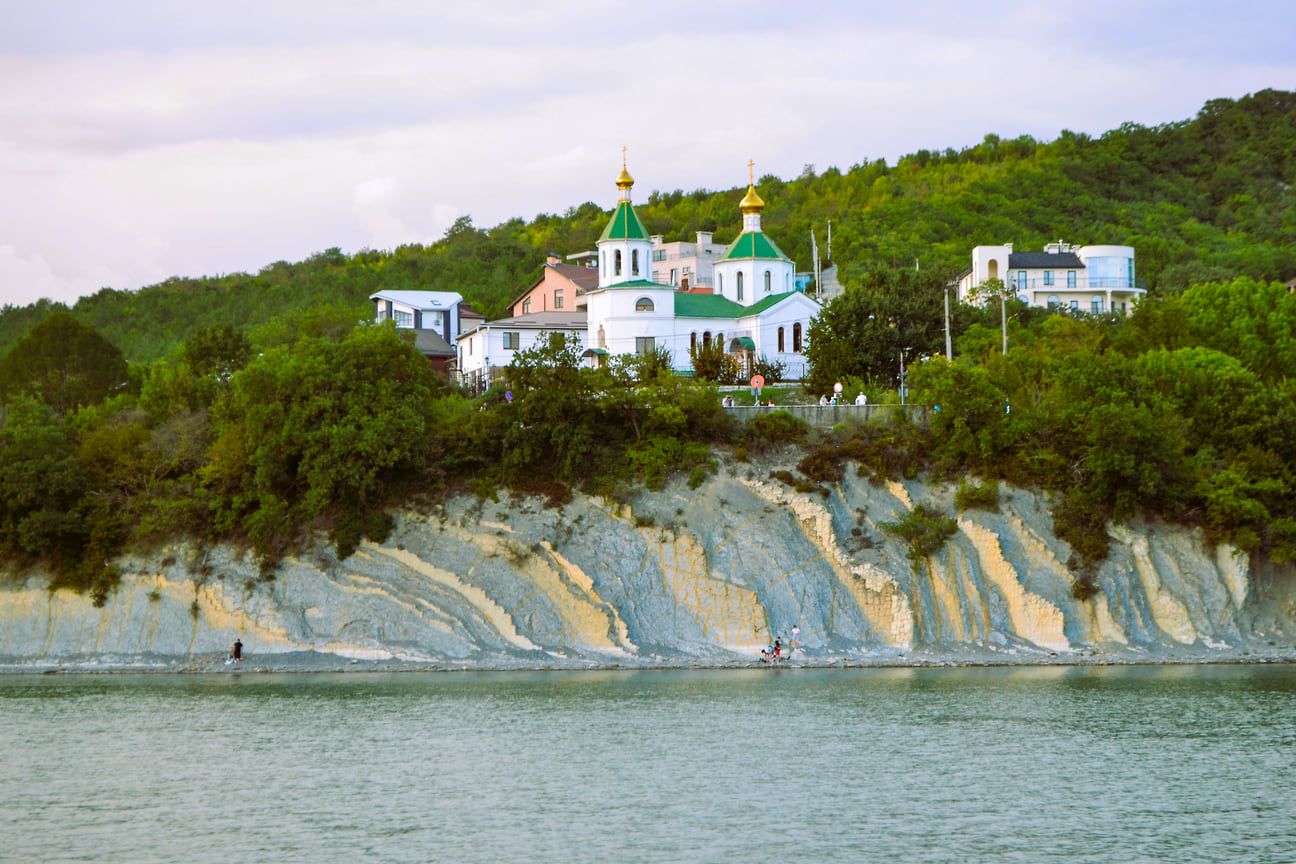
(775,653)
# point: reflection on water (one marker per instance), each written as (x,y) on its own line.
(1031,764)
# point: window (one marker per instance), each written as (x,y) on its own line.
(1096,304)
(558,298)
(740,281)
(602,338)
(403,319)
(767,281)
(1071,280)
(693,339)
(617,264)
(1075,305)
(1021,280)
(706,338)
(780,339)
(719,338)
(511,341)
(526,306)
(796,338)
(644,304)
(1048,277)
(720,283)
(674,280)
(634,262)
(1053,301)
(644,344)
(1110,272)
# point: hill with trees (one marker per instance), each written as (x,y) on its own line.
(1203,199)
(255,411)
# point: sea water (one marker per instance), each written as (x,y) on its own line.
(1181,764)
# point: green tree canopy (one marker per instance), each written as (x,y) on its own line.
(65,364)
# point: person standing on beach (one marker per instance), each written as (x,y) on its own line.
(796,637)
(237,651)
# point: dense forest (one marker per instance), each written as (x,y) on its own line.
(253,409)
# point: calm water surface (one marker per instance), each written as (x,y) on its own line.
(1034,765)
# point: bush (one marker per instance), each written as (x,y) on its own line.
(925,533)
(712,363)
(771,370)
(973,497)
(776,427)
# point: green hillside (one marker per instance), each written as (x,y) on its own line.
(253,411)
(1203,199)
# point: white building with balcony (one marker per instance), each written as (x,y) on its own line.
(1093,279)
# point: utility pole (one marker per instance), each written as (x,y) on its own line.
(814,252)
(949,351)
(1003,316)
(902,376)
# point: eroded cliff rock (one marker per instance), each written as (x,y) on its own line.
(707,576)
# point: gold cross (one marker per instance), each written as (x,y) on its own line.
(623,152)
(751,174)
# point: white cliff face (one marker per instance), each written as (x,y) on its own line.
(680,576)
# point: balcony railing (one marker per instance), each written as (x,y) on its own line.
(1082,283)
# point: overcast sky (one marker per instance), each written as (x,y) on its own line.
(141,139)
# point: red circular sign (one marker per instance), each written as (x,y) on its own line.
(758,381)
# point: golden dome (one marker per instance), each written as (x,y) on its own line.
(624,181)
(751,202)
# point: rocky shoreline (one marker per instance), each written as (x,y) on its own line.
(677,579)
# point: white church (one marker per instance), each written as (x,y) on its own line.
(753,309)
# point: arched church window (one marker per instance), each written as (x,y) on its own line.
(706,338)
(602,338)
(780,339)
(739,283)
(634,262)
(617,268)
(720,283)
(796,338)
(644,304)
(693,339)
(767,281)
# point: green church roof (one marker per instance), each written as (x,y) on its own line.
(754,244)
(641,284)
(624,225)
(715,306)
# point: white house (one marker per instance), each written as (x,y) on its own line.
(754,310)
(488,347)
(436,317)
(1092,279)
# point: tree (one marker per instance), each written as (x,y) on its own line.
(218,351)
(863,332)
(65,364)
(324,434)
